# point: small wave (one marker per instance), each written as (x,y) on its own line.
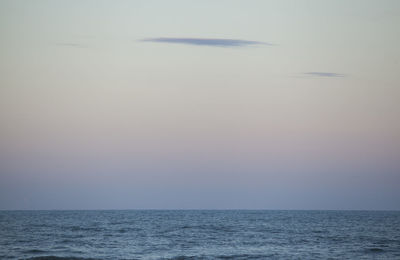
(66,241)
(60,247)
(34,251)
(244,256)
(59,258)
(319,231)
(375,250)
(186,227)
(90,229)
(182,257)
(223,257)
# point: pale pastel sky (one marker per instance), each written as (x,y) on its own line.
(199,104)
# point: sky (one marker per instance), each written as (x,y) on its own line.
(227,104)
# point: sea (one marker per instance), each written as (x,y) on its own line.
(199,234)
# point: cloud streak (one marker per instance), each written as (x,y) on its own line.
(325,74)
(215,42)
(73,45)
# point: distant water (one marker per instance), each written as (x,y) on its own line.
(199,234)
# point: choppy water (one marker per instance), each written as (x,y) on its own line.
(199,235)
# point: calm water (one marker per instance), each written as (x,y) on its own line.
(199,235)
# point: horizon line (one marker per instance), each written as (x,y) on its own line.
(198,209)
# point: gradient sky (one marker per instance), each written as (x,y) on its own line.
(199,104)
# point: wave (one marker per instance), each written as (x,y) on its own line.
(237,256)
(34,251)
(59,258)
(79,228)
(375,250)
(245,256)
(182,257)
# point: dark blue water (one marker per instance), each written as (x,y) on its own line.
(199,235)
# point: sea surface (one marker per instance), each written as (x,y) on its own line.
(199,234)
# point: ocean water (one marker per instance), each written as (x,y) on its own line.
(199,234)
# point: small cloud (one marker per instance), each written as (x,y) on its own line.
(73,45)
(207,42)
(325,74)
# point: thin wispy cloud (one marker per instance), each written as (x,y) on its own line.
(325,74)
(207,42)
(72,45)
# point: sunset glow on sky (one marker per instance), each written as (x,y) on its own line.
(199,104)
